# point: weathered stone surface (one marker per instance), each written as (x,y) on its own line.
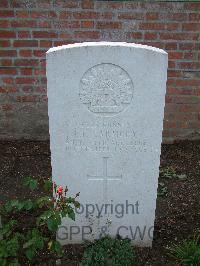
(106,104)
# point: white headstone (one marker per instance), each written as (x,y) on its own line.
(106,104)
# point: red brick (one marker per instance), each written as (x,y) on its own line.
(22,14)
(44,4)
(183,91)
(44,34)
(39,53)
(150,36)
(4,23)
(152,16)
(65,42)
(25,43)
(26,80)
(113,5)
(169,124)
(187,82)
(171,64)
(43,80)
(4,3)
(8,80)
(24,34)
(189,65)
(8,53)
(186,116)
(44,24)
(7,34)
(26,71)
(43,14)
(194,16)
(66,24)
(66,4)
(189,108)
(171,46)
(170,82)
(108,25)
(190,55)
(134,35)
(6,62)
(188,99)
(87,24)
(192,6)
(25,53)
(178,36)
(132,5)
(87,4)
(189,46)
(175,55)
(40,72)
(65,15)
(65,35)
(8,71)
(191,26)
(179,16)
(159,26)
(46,43)
(130,16)
(41,89)
(22,4)
(28,88)
(107,15)
(4,43)
(86,15)
(87,34)
(26,62)
(8,89)
(6,13)
(174,73)
(7,107)
(24,23)
(27,98)
(153,43)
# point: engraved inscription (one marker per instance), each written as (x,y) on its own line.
(103,137)
(106,89)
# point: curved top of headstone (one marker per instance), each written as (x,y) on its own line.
(106,44)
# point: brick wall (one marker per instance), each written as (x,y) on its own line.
(28,28)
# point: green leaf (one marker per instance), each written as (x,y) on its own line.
(48,185)
(30,253)
(30,183)
(41,202)
(71,214)
(28,205)
(8,207)
(20,205)
(6,229)
(53,223)
(41,220)
(55,247)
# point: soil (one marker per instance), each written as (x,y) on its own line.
(177,213)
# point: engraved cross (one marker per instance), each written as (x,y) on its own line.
(105,177)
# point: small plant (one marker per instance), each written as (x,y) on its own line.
(169,173)
(29,226)
(188,252)
(109,252)
(162,190)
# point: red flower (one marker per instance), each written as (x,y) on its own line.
(60,190)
